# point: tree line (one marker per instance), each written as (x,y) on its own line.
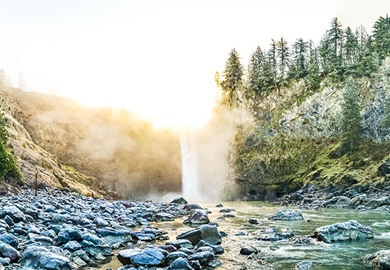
(342,52)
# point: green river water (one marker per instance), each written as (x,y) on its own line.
(281,254)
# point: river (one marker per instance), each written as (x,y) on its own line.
(282,254)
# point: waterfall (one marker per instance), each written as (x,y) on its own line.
(189,168)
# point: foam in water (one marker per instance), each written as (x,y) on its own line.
(190,181)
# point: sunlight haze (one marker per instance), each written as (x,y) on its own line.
(154,58)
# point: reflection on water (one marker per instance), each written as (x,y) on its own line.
(281,254)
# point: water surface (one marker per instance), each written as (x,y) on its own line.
(281,254)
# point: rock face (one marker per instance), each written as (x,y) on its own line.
(350,230)
(287,214)
(207,233)
(379,260)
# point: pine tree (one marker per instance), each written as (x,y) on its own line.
(351,51)
(255,78)
(381,35)
(331,51)
(8,165)
(298,65)
(313,78)
(351,119)
(385,80)
(231,83)
(283,54)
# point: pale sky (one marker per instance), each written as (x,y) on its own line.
(153,57)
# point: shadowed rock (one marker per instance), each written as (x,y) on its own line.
(207,233)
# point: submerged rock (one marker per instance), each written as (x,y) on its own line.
(287,214)
(378,260)
(248,250)
(303,265)
(350,230)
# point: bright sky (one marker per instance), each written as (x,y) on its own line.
(156,58)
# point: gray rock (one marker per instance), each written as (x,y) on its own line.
(248,250)
(180,264)
(146,257)
(378,260)
(287,214)
(350,230)
(198,216)
(357,201)
(181,243)
(171,257)
(68,234)
(40,258)
(303,265)
(207,233)
(9,252)
(202,257)
(180,200)
(10,239)
(72,246)
(13,212)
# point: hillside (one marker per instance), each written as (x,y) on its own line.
(321,112)
(89,150)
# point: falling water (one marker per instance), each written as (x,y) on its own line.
(189,168)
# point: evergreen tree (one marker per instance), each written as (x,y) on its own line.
(298,65)
(385,80)
(313,78)
(331,51)
(381,35)
(351,51)
(231,83)
(270,69)
(351,120)
(283,59)
(8,165)
(255,79)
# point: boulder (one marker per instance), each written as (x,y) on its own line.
(384,168)
(10,239)
(35,257)
(198,216)
(13,212)
(303,265)
(350,230)
(180,200)
(137,257)
(9,252)
(248,250)
(180,264)
(202,257)
(378,260)
(208,233)
(287,214)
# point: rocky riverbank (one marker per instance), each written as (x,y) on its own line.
(361,197)
(58,229)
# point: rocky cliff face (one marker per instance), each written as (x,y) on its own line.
(320,114)
(85,149)
(38,166)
